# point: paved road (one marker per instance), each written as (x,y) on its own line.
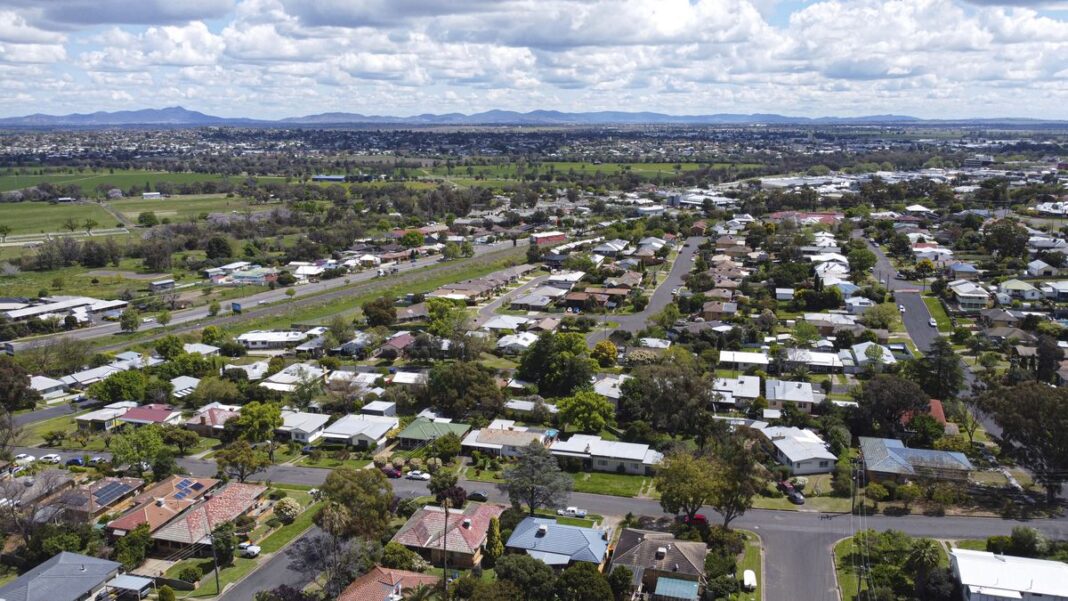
(489,310)
(30,417)
(662,297)
(271,574)
(277,302)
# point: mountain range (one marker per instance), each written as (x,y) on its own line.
(177,116)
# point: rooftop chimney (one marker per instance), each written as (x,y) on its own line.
(467,522)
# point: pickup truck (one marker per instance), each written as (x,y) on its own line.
(571,512)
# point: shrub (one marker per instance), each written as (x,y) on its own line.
(274,522)
(190,574)
(277,494)
(287,509)
(166,593)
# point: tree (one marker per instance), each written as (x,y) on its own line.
(183,438)
(223,542)
(380,312)
(535,480)
(1049,359)
(5,231)
(672,396)
(411,239)
(738,477)
(881,316)
(604,353)
(447,318)
(883,400)
(861,260)
(70,224)
(239,460)
(89,224)
(166,593)
(805,333)
(939,372)
(214,389)
(923,557)
(462,387)
(582,582)
(331,557)
(446,447)
(494,546)
(169,347)
(441,481)
(137,447)
(218,247)
(587,411)
(963,415)
(147,219)
(213,309)
(131,549)
(925,431)
(398,557)
(685,483)
(667,316)
(257,422)
(557,363)
(287,509)
(534,581)
(366,495)
(620,582)
(130,320)
(164,318)
(15,390)
(1034,442)
(1006,238)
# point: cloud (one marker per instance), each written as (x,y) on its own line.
(64,14)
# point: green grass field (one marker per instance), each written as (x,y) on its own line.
(42,217)
(182,207)
(88,179)
(617,485)
(511,171)
(751,561)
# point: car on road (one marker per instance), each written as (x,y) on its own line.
(75,461)
(674,292)
(391,473)
(931,322)
(477,495)
(417,475)
(24,458)
(901,308)
(571,512)
(51,458)
(97,460)
(698,519)
(899,276)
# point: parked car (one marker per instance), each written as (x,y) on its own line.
(901,308)
(97,460)
(51,458)
(250,551)
(785,486)
(75,461)
(391,473)
(571,512)
(795,497)
(24,458)
(477,495)
(931,322)
(698,519)
(417,475)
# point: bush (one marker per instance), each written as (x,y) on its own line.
(274,522)
(287,510)
(277,494)
(190,574)
(166,593)
(727,542)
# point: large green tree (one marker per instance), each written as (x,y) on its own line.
(939,371)
(582,582)
(533,578)
(738,478)
(558,363)
(461,387)
(127,385)
(883,400)
(1033,418)
(535,479)
(137,446)
(685,482)
(380,312)
(1006,238)
(366,495)
(239,460)
(587,411)
(15,391)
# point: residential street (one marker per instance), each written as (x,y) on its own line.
(661,297)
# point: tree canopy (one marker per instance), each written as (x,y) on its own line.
(535,480)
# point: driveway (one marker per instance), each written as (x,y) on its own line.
(632,322)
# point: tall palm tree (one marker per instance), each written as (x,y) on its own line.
(924,556)
(422,593)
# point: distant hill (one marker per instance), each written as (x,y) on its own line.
(177,116)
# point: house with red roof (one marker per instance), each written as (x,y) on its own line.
(432,533)
(162,503)
(382,584)
(153,413)
(210,420)
(193,527)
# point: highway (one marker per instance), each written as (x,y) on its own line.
(275,301)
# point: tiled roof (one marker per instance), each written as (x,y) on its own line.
(157,514)
(637,549)
(380,583)
(154,413)
(426,527)
(230,502)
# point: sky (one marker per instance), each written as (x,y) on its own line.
(280,58)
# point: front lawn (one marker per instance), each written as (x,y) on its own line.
(616,485)
(230,574)
(751,560)
(938,312)
(281,537)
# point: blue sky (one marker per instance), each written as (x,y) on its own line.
(279,58)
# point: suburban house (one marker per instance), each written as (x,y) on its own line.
(611,387)
(886,458)
(65,576)
(655,556)
(608,455)
(1039,269)
(254,371)
(985,576)
(558,545)
(195,526)
(970,297)
(514,344)
(265,340)
(89,501)
(422,431)
(385,584)
(741,390)
(162,503)
(800,450)
(1020,289)
(741,360)
(47,387)
(152,413)
(301,426)
(362,431)
(294,376)
(104,419)
(780,392)
(206,350)
(210,420)
(502,438)
(962,271)
(464,533)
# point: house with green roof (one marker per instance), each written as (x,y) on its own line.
(422,431)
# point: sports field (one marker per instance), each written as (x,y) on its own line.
(88,179)
(182,207)
(42,217)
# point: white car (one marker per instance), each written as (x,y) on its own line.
(417,475)
(250,551)
(51,458)
(571,512)
(901,308)
(931,322)
(24,458)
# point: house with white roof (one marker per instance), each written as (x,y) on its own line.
(1039,268)
(986,576)
(362,431)
(860,354)
(204,349)
(265,339)
(611,388)
(514,344)
(814,361)
(800,450)
(779,393)
(290,378)
(105,418)
(301,426)
(741,390)
(742,360)
(607,455)
(48,388)
(508,323)
(255,371)
(970,297)
(183,386)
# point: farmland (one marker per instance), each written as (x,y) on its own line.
(179,208)
(43,217)
(88,179)
(518,171)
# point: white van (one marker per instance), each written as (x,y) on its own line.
(749,582)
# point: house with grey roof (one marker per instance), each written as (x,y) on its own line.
(654,556)
(800,394)
(558,545)
(65,576)
(422,431)
(886,458)
(608,455)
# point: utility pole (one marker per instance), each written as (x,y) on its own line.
(445,548)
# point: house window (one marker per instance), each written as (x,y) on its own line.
(825,463)
(602,462)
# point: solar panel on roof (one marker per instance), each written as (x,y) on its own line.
(184,484)
(180,496)
(197,486)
